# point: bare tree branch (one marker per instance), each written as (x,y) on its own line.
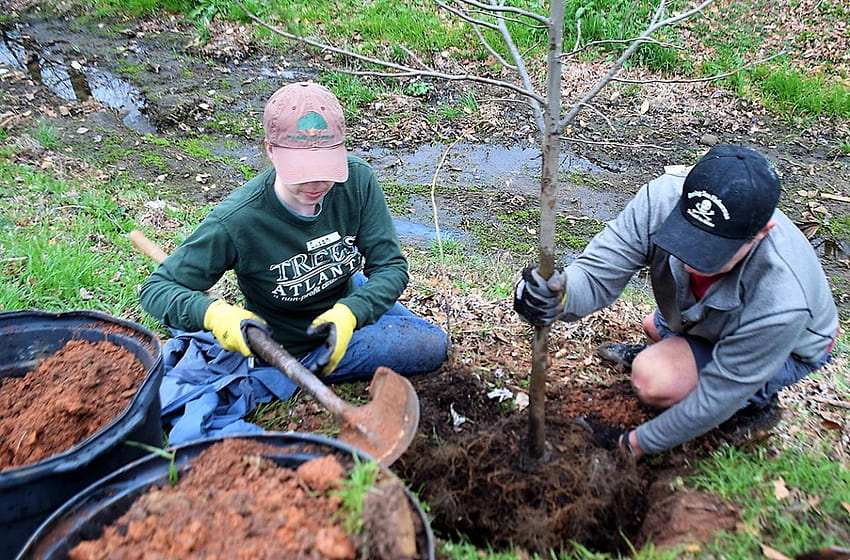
(476,25)
(466,17)
(400,70)
(602,115)
(522,71)
(650,40)
(656,24)
(544,21)
(696,80)
(578,36)
(518,65)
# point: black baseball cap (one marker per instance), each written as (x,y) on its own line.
(727,198)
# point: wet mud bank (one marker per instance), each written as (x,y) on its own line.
(148,99)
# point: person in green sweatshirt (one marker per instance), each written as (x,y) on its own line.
(313,248)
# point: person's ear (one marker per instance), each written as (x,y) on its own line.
(268,148)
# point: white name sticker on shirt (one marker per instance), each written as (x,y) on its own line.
(323,241)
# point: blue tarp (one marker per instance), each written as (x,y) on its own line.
(207,391)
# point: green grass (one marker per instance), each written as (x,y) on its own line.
(793,502)
(380,28)
(376,27)
(353,92)
(138,7)
(792,93)
(47,135)
(360,479)
(63,245)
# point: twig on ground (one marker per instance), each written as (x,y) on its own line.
(831,402)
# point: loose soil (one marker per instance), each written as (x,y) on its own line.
(68,397)
(237,502)
(467,461)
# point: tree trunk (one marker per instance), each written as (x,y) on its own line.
(548,203)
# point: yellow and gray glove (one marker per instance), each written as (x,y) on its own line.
(338,324)
(227,323)
(538,301)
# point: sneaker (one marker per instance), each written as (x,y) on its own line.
(620,354)
(752,423)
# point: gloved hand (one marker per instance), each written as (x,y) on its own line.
(226,322)
(338,322)
(538,301)
(605,436)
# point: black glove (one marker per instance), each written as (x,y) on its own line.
(605,436)
(538,301)
(328,346)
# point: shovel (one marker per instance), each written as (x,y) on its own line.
(383,428)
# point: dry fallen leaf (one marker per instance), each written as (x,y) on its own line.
(773,554)
(780,490)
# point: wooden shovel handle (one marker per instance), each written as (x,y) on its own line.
(264,346)
(146,246)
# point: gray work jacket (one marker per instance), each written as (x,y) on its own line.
(776,302)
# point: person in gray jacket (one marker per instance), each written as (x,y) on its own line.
(743,305)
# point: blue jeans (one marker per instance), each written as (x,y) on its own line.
(399,340)
(791,371)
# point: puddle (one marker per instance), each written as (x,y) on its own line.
(472,164)
(494,166)
(42,53)
(413,232)
(72,81)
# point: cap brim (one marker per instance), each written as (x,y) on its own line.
(695,247)
(317,164)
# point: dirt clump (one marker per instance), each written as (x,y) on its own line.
(683,517)
(65,399)
(236,501)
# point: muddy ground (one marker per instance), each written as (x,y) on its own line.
(187,120)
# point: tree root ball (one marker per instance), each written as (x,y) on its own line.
(483,485)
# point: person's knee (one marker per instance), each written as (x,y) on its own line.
(651,383)
(645,384)
(649,328)
(429,350)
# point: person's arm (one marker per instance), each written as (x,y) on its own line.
(598,276)
(175,293)
(386,267)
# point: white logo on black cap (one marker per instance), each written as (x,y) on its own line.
(703,211)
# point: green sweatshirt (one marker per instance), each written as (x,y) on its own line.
(289,268)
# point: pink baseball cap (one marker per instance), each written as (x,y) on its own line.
(305,125)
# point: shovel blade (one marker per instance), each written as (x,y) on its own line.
(385,427)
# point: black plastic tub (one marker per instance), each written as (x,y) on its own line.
(31,493)
(84,516)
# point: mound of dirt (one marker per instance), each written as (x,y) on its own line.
(470,463)
(68,397)
(481,483)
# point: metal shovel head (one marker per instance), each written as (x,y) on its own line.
(384,428)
